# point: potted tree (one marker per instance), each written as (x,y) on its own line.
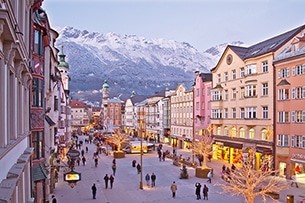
(203,148)
(118,138)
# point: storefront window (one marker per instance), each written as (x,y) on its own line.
(251,133)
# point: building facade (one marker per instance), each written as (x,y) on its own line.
(202,99)
(290,110)
(15,78)
(242,101)
(182,117)
(79,115)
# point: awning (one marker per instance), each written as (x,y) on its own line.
(229,144)
(297,161)
(39,172)
(264,150)
(49,120)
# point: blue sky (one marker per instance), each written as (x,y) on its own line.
(202,23)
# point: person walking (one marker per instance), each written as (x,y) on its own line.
(139,168)
(147,179)
(106,178)
(210,176)
(294,181)
(93,188)
(54,199)
(153,180)
(174,188)
(205,192)
(111,178)
(87,149)
(113,169)
(84,161)
(197,190)
(82,152)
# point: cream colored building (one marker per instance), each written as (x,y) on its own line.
(182,116)
(243,101)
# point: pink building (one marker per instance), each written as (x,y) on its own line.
(202,98)
(290,109)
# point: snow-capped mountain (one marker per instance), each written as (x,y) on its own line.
(129,63)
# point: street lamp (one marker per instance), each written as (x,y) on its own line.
(141,156)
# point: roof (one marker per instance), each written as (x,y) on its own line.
(283,82)
(115,100)
(269,45)
(39,172)
(75,103)
(206,76)
(137,98)
(158,94)
(49,120)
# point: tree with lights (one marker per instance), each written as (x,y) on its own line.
(204,147)
(118,138)
(251,183)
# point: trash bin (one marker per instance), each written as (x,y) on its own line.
(290,199)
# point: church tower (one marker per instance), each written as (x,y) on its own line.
(105,92)
(63,67)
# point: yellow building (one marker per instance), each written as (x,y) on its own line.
(243,101)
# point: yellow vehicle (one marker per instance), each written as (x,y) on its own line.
(135,147)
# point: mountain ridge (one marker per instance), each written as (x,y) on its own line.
(129,63)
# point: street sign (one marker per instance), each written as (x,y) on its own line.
(73,153)
(72,176)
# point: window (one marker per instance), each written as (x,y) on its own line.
(203,92)
(264,134)
(265,89)
(283,94)
(233,132)
(282,140)
(219,130)
(298,116)
(38,48)
(242,72)
(233,112)
(234,93)
(242,112)
(251,133)
(298,70)
(296,141)
(225,113)
(242,92)
(250,90)
(37,92)
(283,117)
(298,92)
(219,78)
(283,73)
(251,69)
(216,95)
(37,144)
(265,112)
(216,113)
(233,74)
(197,105)
(197,92)
(251,112)
(242,132)
(226,76)
(265,66)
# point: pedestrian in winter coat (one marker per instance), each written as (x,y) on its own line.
(198,190)
(153,180)
(111,178)
(82,152)
(210,176)
(93,188)
(106,178)
(147,179)
(205,192)
(139,168)
(113,169)
(84,161)
(294,181)
(174,188)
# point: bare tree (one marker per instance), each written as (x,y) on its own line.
(251,183)
(203,147)
(118,138)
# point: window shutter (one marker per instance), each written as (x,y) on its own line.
(293,70)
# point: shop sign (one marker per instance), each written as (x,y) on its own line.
(298,156)
(219,143)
